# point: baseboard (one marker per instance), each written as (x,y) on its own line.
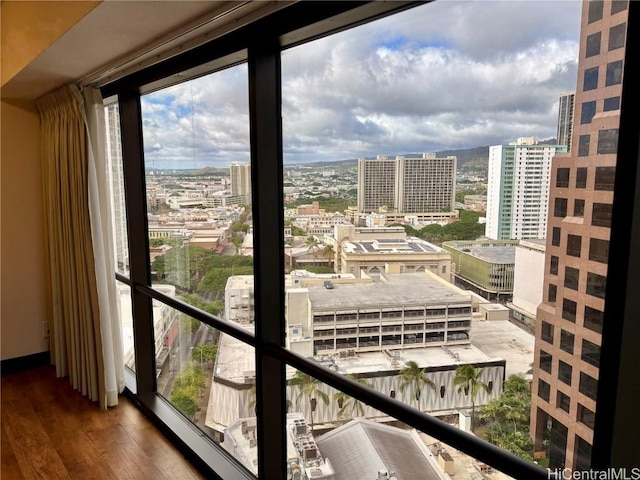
(21,364)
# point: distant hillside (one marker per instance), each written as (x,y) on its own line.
(464,155)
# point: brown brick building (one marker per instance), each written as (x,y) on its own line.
(569,320)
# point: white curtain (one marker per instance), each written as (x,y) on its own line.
(103,247)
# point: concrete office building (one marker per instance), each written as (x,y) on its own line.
(371,251)
(241,182)
(565,119)
(407,184)
(402,311)
(485,267)
(570,318)
(518,189)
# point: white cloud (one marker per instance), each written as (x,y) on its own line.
(450,74)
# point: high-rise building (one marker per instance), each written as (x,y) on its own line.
(565,119)
(518,189)
(407,184)
(570,317)
(241,181)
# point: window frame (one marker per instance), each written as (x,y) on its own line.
(293,25)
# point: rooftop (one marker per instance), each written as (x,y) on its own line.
(391,245)
(490,252)
(390,290)
(236,360)
(362,448)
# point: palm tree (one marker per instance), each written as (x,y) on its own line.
(414,378)
(328,252)
(310,388)
(312,243)
(467,378)
(348,406)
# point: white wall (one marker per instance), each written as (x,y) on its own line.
(24,287)
(528,279)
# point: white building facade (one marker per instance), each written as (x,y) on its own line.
(518,189)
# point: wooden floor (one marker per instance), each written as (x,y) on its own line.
(50,432)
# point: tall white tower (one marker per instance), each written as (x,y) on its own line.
(518,189)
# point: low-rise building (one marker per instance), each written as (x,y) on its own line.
(484,266)
(391,312)
(387,250)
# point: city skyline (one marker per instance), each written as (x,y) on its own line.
(456,86)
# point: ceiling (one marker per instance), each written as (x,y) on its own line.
(118,37)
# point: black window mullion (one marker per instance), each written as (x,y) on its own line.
(268,223)
(140,270)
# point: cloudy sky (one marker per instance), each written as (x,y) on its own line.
(451,74)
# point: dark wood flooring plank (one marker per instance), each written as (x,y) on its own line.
(30,442)
(51,432)
(10,466)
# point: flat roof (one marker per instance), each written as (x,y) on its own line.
(492,254)
(491,340)
(236,359)
(390,290)
(390,245)
(501,338)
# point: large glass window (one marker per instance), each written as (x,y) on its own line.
(200,226)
